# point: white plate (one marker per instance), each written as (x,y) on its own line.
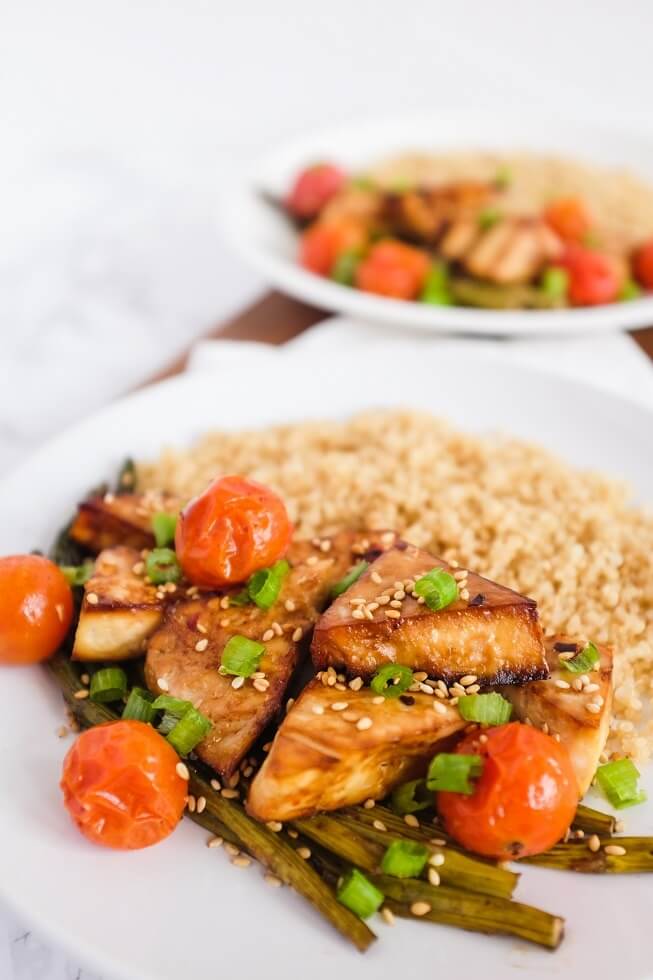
(265,238)
(179,910)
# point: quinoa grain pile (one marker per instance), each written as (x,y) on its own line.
(511,511)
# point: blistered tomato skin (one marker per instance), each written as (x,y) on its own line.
(36,609)
(313,188)
(234,528)
(643,265)
(524,800)
(121,786)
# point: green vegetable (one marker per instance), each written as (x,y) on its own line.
(126,482)
(359,895)
(488,218)
(555,282)
(161,566)
(344,268)
(436,287)
(452,772)
(495,296)
(411,797)
(349,579)
(503,177)
(241,598)
(584,661)
(265,585)
(619,782)
(405,859)
(438,588)
(164,527)
(362,182)
(108,684)
(392,680)
(76,575)
(630,290)
(486,709)
(139,705)
(166,723)
(241,656)
(175,706)
(188,731)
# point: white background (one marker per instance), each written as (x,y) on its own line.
(120,121)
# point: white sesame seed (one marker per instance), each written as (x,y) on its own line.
(304,852)
(261,685)
(591,688)
(376,578)
(92,598)
(378,699)
(200,627)
(268,635)
(615,850)
(81,695)
(593,708)
(215,785)
(420,908)
(393,614)
(237,683)
(162,684)
(289,605)
(201,804)
(358,614)
(231,850)
(297,634)
(369,804)
(277,628)
(594,843)
(224,602)
(62,731)
(274,825)
(241,861)
(464,594)
(293,833)
(215,842)
(563,685)
(363,724)
(229,794)
(182,770)
(436,860)
(339,705)
(201,645)
(382,600)
(312,560)
(289,703)
(425,689)
(468,679)
(388,916)
(272,880)
(379,825)
(619,826)
(395,604)
(411,820)
(439,707)
(191,803)
(325,545)
(317,709)
(356,684)
(434,877)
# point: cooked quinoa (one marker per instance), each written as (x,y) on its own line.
(509,510)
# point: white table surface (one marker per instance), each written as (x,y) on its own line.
(118,121)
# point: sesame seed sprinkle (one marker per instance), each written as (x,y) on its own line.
(215,785)
(182,770)
(80,695)
(379,825)
(201,645)
(411,820)
(229,794)
(376,578)
(268,635)
(215,842)
(594,843)
(434,877)
(297,634)
(317,709)
(364,723)
(237,683)
(272,880)
(369,804)
(274,825)
(615,850)
(356,684)
(162,684)
(420,908)
(388,916)
(304,852)
(92,598)
(201,804)
(339,705)
(378,699)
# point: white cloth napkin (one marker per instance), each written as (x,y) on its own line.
(611,361)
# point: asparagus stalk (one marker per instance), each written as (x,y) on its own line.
(459,869)
(577,856)
(338,838)
(594,821)
(228,819)
(476,913)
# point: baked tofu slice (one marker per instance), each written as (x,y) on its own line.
(185,654)
(335,749)
(494,634)
(574,710)
(120,608)
(120,519)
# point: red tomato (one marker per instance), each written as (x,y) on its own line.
(393,269)
(323,242)
(643,265)
(594,277)
(313,188)
(569,217)
(524,800)
(231,530)
(121,786)
(36,609)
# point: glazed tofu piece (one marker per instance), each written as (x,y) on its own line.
(574,708)
(120,608)
(494,635)
(337,748)
(120,519)
(185,654)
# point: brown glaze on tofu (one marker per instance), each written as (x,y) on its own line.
(186,652)
(337,748)
(579,718)
(494,635)
(120,519)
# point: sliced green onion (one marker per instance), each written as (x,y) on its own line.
(392,680)
(241,656)
(163,527)
(240,598)
(404,859)
(503,177)
(161,566)
(188,731)
(139,705)
(401,185)
(174,706)
(584,661)
(78,574)
(436,286)
(488,218)
(438,588)
(630,290)
(167,723)
(108,684)
(452,772)
(344,268)
(265,585)
(411,797)
(618,780)
(362,182)
(359,895)
(126,482)
(352,576)
(555,282)
(486,709)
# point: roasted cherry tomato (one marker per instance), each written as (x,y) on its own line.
(393,269)
(36,608)
(594,277)
(313,188)
(230,531)
(524,800)
(323,243)
(569,218)
(121,785)
(643,265)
